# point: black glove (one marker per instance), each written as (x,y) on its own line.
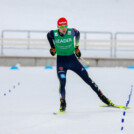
(53,51)
(77,52)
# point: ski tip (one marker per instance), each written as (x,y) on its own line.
(103,105)
(60,112)
(115,106)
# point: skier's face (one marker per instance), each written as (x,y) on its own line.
(62,30)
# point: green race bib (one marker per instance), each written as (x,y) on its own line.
(64,45)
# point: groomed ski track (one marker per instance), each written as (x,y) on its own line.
(29,97)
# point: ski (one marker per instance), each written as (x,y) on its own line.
(60,112)
(115,106)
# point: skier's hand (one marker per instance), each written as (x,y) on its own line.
(77,52)
(53,51)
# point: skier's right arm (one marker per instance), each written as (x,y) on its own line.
(50,37)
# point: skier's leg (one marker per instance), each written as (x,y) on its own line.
(81,71)
(61,73)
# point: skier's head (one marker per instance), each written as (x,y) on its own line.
(62,25)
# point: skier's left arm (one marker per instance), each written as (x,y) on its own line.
(76,34)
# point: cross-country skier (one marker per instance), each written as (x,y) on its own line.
(62,43)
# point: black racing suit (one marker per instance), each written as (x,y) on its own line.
(70,62)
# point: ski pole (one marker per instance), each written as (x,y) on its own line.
(87,62)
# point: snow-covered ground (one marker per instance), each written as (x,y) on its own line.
(29,96)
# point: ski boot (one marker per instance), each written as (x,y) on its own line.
(62,105)
(105,99)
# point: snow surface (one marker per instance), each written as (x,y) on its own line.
(29,96)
